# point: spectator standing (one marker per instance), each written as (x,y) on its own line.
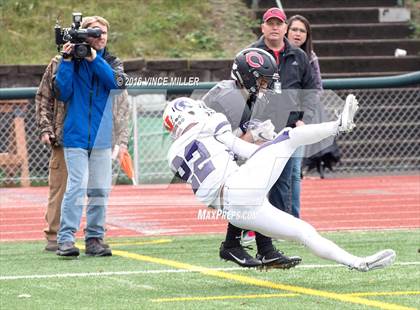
(85,86)
(322,154)
(50,115)
(297,85)
(299,33)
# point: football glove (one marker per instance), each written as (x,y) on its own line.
(261,131)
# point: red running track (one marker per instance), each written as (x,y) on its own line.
(359,203)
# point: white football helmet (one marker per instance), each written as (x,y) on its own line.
(182,112)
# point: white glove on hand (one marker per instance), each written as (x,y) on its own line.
(262,131)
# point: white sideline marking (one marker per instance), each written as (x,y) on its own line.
(114,273)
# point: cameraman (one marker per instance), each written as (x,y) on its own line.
(50,115)
(84,85)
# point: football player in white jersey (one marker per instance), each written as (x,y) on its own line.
(202,155)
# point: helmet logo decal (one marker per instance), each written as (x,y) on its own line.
(254,59)
(180,105)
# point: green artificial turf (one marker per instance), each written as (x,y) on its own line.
(136,283)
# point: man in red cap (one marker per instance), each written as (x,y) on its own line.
(295,73)
(274,29)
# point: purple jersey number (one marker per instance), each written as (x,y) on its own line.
(199,172)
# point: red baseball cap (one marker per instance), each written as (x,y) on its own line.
(274,13)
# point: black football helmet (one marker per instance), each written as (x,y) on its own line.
(252,63)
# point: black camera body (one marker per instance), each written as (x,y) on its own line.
(77,36)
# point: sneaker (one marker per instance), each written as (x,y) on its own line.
(239,256)
(247,237)
(346,123)
(52,246)
(379,260)
(94,247)
(67,249)
(276,259)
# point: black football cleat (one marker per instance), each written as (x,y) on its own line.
(239,256)
(276,259)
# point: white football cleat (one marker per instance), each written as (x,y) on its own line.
(379,260)
(346,123)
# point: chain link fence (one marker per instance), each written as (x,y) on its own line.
(387,136)
(386,139)
(11,163)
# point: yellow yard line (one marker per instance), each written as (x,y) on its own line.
(384,293)
(262,283)
(203,298)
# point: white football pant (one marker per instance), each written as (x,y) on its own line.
(245,192)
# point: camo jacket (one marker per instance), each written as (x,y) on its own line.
(50,112)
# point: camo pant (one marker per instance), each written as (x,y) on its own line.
(57,181)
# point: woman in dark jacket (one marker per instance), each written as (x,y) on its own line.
(299,33)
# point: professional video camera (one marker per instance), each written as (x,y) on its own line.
(77,36)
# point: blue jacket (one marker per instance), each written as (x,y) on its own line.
(85,87)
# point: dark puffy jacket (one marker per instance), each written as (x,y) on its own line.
(295,74)
(85,87)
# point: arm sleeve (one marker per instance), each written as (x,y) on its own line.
(105,73)
(316,71)
(310,96)
(43,104)
(110,72)
(236,145)
(121,110)
(63,84)
(218,107)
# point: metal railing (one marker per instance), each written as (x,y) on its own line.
(408,79)
(387,138)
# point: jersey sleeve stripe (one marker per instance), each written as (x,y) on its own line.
(283,136)
(220,126)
